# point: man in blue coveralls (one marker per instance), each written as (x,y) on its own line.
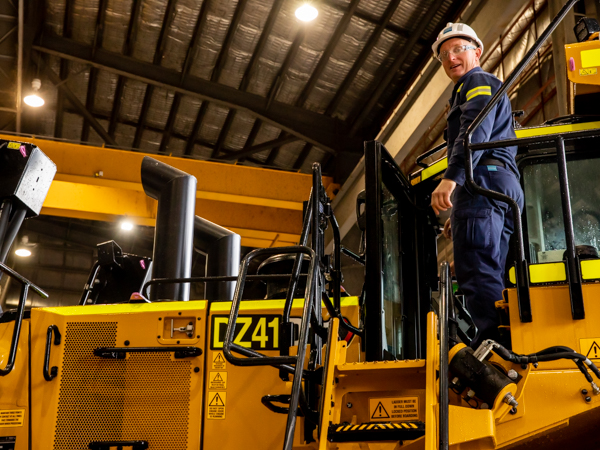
(480,227)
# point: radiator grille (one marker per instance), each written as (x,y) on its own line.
(145,397)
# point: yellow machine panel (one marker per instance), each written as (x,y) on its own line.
(234,415)
(14,390)
(150,395)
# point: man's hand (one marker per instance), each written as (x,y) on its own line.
(440,198)
(447,229)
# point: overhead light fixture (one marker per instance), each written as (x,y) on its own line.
(23,252)
(126,225)
(307,13)
(35,100)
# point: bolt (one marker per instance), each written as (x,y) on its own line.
(160,318)
(126,342)
(588,399)
(524,366)
(471,393)
(513,411)
(179,313)
(199,318)
(512,374)
(178,342)
(536,365)
(348,405)
(595,388)
(455,381)
(584,391)
(484,406)
(158,337)
(196,369)
(510,400)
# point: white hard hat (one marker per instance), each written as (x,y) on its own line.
(455,30)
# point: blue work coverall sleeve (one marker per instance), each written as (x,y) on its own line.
(478,91)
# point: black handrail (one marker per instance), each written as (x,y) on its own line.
(214,279)
(429,153)
(51,373)
(25,285)
(521,263)
(257,359)
(444,308)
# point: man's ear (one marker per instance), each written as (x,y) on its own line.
(478,52)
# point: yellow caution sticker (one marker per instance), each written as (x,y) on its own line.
(393,408)
(216,405)
(590,348)
(217,380)
(218,361)
(586,72)
(12,417)
(14,145)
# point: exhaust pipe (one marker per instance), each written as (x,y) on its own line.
(174,233)
(222,249)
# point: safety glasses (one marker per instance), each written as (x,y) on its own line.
(456,50)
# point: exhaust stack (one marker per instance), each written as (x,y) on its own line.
(222,248)
(174,233)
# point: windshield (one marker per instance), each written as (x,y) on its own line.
(543,210)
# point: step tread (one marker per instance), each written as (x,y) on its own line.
(376,431)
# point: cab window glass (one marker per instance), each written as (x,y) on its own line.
(543,208)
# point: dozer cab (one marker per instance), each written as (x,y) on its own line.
(310,368)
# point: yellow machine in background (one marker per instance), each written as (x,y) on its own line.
(307,368)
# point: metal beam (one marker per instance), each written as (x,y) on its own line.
(261,147)
(383,83)
(364,54)
(329,134)
(55,79)
(302,157)
(233,196)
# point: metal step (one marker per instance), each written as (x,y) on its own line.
(376,431)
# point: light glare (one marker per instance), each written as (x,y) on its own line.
(23,252)
(306,13)
(34,100)
(126,225)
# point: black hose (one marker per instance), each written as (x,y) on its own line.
(550,354)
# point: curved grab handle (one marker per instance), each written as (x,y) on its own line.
(51,373)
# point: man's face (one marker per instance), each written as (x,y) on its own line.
(457,65)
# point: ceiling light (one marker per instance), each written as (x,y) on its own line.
(307,13)
(23,252)
(34,99)
(126,225)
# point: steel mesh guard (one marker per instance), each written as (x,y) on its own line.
(145,397)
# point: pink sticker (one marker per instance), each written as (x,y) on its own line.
(23,151)
(571,64)
(143,264)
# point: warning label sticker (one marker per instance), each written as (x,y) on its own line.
(586,72)
(217,380)
(590,348)
(394,408)
(12,417)
(216,405)
(219,362)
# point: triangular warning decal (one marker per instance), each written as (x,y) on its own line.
(380,412)
(218,377)
(594,352)
(219,358)
(216,401)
